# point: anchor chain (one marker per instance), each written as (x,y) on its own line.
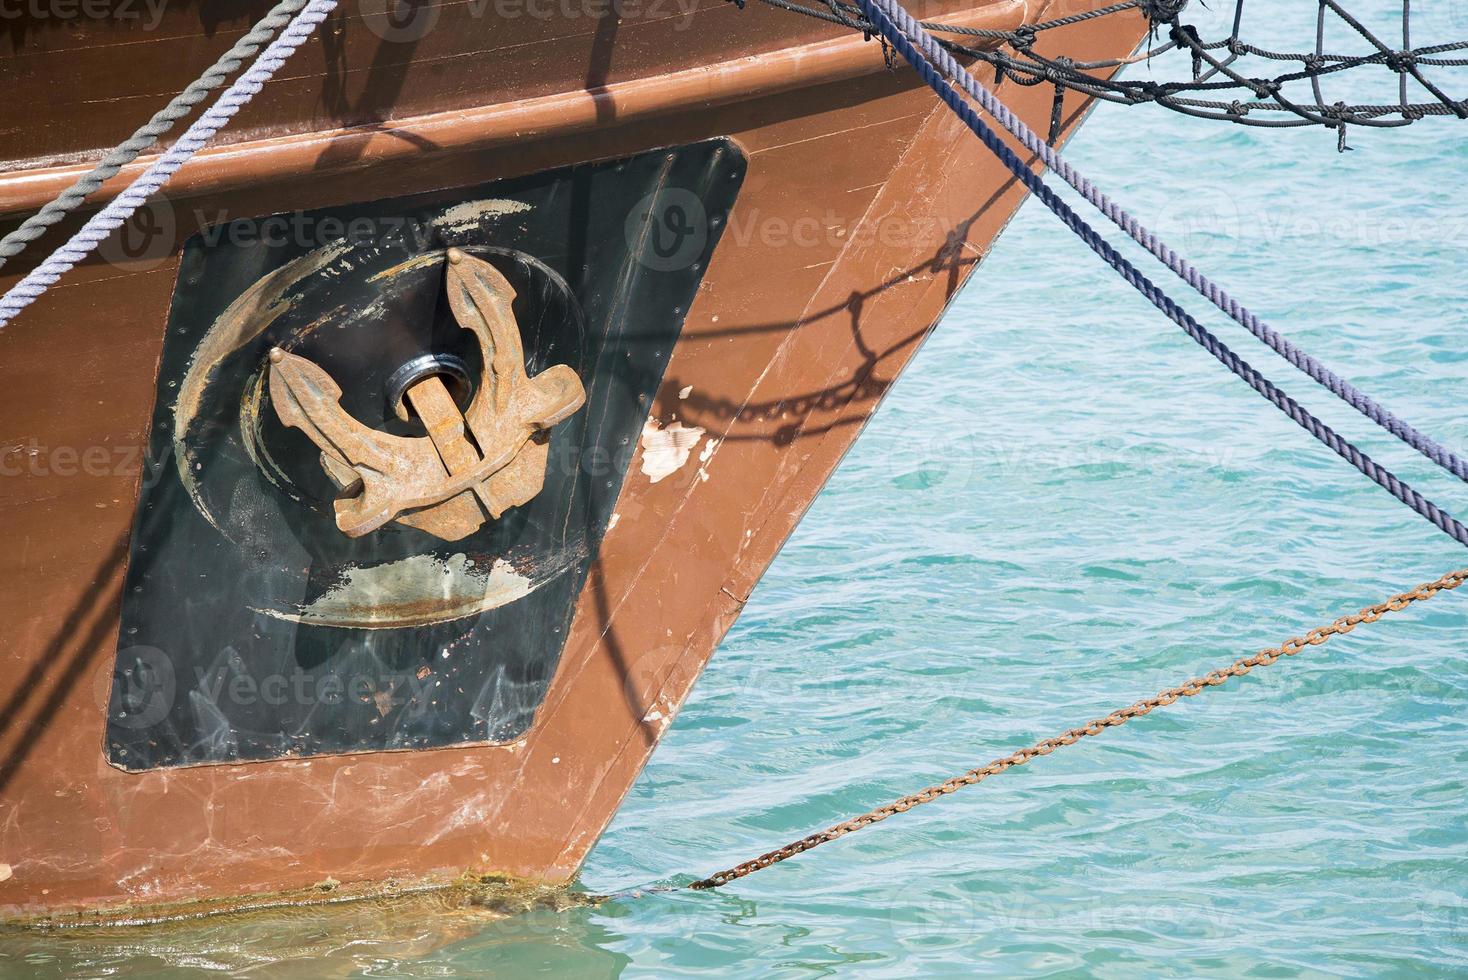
(1187,689)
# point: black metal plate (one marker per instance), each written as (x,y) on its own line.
(251,627)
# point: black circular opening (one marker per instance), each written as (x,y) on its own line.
(452,369)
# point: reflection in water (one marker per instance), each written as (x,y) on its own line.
(466,930)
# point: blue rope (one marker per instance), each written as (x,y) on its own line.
(883,16)
(1184,269)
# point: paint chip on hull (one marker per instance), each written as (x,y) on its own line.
(665,450)
(471,214)
(709,448)
(419,590)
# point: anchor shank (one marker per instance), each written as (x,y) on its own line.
(430,398)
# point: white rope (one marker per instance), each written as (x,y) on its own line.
(115,214)
(130,149)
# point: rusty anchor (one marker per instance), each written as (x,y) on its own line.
(484,460)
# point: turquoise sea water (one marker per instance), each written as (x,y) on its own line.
(1062,507)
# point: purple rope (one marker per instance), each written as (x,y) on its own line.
(1209,290)
(885,15)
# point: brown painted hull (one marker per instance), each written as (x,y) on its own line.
(864,209)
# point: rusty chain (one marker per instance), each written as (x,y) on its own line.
(1187,689)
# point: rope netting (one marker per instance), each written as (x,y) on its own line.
(1217,73)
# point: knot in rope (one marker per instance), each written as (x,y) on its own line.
(1059,71)
(1264,87)
(1342,114)
(1400,62)
(1022,38)
(1161,11)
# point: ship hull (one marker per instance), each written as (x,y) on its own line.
(863,207)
